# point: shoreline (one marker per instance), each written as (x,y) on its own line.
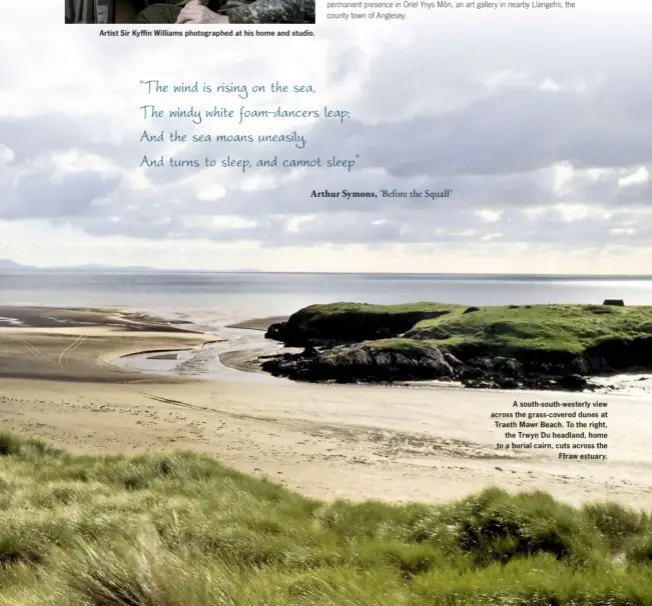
(244,359)
(326,441)
(247,359)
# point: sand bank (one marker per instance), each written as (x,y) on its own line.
(259,323)
(326,441)
(80,345)
(50,317)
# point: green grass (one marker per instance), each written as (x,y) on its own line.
(497,330)
(563,328)
(182,530)
(332,309)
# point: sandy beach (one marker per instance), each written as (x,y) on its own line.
(58,380)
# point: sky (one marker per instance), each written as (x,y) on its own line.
(539,123)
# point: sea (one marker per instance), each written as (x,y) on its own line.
(212,301)
(258,294)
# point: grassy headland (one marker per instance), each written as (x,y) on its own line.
(349,322)
(554,340)
(182,530)
(514,330)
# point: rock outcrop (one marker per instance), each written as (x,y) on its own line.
(362,363)
(369,364)
(511,347)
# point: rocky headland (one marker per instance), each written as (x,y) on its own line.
(556,347)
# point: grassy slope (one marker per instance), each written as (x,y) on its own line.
(555,328)
(567,328)
(182,530)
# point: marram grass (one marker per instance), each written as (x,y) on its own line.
(182,530)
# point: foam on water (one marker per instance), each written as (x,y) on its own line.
(10,322)
(634,384)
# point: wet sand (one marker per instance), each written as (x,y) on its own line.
(327,441)
(49,317)
(80,345)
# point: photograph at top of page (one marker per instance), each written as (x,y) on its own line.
(190,12)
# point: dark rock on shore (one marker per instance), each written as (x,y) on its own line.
(276,331)
(572,382)
(369,364)
(362,363)
(504,347)
(620,354)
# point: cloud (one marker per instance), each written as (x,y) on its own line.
(538,124)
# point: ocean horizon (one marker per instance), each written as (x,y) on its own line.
(256,293)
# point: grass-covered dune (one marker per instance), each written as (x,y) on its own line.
(542,339)
(182,530)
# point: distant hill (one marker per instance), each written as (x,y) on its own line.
(100,267)
(7,265)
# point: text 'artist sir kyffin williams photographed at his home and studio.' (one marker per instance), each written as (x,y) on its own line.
(188,12)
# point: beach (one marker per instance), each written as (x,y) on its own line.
(65,379)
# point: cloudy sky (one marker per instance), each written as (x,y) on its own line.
(539,122)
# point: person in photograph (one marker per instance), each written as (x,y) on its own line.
(207,12)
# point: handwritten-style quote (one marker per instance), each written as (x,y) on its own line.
(230,115)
